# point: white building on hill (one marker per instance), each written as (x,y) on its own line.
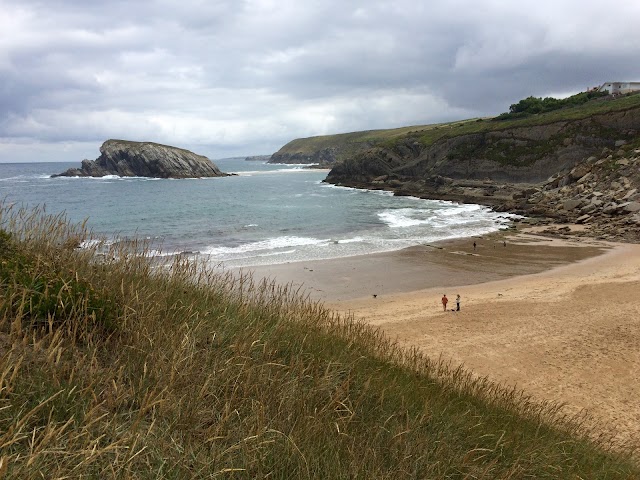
(619,88)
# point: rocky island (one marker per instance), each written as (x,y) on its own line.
(145,159)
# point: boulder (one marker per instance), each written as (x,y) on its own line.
(588,208)
(630,194)
(631,207)
(588,176)
(580,171)
(145,159)
(611,209)
(571,204)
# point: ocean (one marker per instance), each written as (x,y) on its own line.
(266,214)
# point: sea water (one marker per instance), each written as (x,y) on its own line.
(265,214)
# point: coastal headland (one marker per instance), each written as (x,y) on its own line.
(578,164)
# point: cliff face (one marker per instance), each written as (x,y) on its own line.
(325,157)
(521,155)
(145,159)
(327,150)
(585,171)
(258,158)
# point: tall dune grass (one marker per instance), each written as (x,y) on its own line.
(115,366)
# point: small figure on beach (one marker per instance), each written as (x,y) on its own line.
(504,243)
(474,245)
(445,300)
(458,303)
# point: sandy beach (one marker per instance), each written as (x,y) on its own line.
(558,318)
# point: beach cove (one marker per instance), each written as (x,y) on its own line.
(555,317)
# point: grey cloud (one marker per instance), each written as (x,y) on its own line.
(219,73)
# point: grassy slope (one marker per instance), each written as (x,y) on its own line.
(429,134)
(110,370)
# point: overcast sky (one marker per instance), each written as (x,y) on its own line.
(240,77)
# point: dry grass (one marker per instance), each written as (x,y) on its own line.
(113,366)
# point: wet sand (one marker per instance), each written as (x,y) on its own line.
(558,318)
(443,264)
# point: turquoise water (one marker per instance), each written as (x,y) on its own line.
(265,214)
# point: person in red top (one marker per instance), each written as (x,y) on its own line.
(445,300)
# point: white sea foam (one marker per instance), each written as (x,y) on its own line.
(92,243)
(273,254)
(296,168)
(385,193)
(263,245)
(338,187)
(352,240)
(302,165)
(109,178)
(404,217)
(251,173)
(160,253)
(388,193)
(445,214)
(26,178)
(20,179)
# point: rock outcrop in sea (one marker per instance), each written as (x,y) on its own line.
(145,159)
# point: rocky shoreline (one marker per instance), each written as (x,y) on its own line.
(600,193)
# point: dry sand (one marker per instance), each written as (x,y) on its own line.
(558,318)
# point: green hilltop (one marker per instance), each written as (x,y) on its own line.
(345,145)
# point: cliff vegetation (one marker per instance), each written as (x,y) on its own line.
(543,114)
(535,105)
(534,166)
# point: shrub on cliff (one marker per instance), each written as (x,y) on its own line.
(534,105)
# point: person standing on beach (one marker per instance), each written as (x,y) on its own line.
(458,303)
(474,245)
(445,300)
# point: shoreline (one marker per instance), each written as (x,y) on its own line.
(555,317)
(443,263)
